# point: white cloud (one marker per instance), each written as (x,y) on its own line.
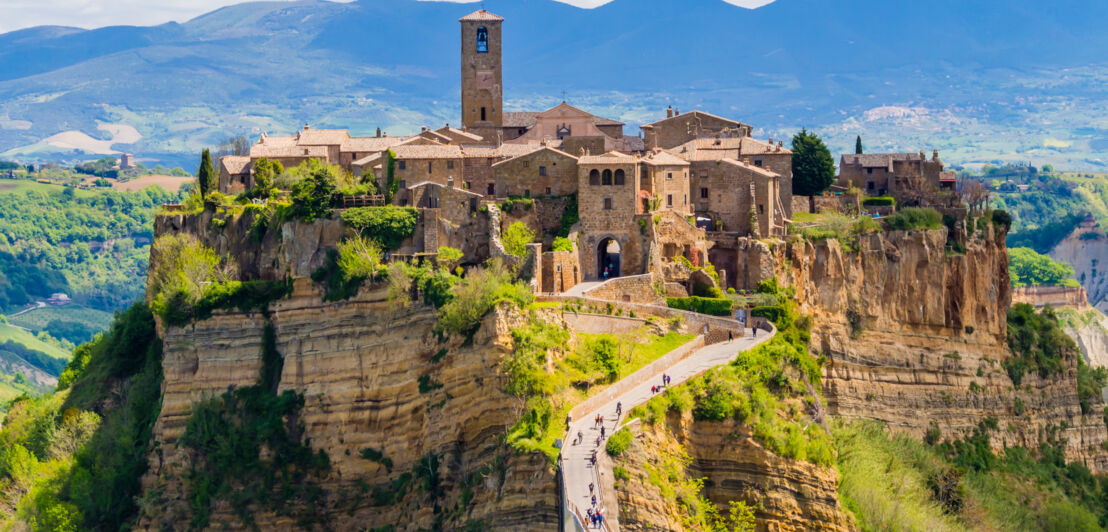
(17,14)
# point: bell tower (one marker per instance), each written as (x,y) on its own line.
(482,72)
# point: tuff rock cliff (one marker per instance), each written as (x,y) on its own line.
(914,335)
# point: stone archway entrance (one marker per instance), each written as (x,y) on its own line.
(608,258)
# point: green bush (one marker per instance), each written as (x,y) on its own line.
(516,202)
(702,305)
(313,195)
(569,217)
(563,244)
(772,313)
(879,201)
(1002,219)
(336,286)
(914,219)
(388,225)
(618,443)
(1027,267)
(360,258)
(243,295)
(1038,342)
(477,294)
(516,238)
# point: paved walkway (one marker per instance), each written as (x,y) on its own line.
(576,467)
(579,289)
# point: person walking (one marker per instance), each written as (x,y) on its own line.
(755,331)
(591,486)
(653,390)
(602,431)
(730,336)
(619,409)
(580,437)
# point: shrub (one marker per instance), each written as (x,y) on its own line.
(313,195)
(476,295)
(1028,267)
(516,238)
(1002,219)
(1037,341)
(563,244)
(914,218)
(879,201)
(181,270)
(618,442)
(569,217)
(388,225)
(772,313)
(702,305)
(360,258)
(448,258)
(336,286)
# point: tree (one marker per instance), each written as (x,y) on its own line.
(858,145)
(237,145)
(265,174)
(813,166)
(313,194)
(1027,267)
(516,238)
(206,174)
(973,193)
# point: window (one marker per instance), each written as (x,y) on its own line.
(703,193)
(870,185)
(542,170)
(547,191)
(482,40)
(526,164)
(669,175)
(402,165)
(469,185)
(669,200)
(869,171)
(619,177)
(685,200)
(594,178)
(606,178)
(607,204)
(527,193)
(483,117)
(430,167)
(757,162)
(492,189)
(449,165)
(761,209)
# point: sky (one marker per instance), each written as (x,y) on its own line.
(17,14)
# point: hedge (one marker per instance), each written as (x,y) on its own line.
(703,305)
(771,313)
(879,201)
(389,226)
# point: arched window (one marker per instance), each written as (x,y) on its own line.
(594,178)
(619,177)
(606,178)
(482,40)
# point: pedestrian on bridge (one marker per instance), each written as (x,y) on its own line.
(591,486)
(619,409)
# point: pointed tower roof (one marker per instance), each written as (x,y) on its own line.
(481,15)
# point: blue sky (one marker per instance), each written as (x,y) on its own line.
(16,14)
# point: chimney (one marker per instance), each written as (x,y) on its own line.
(677,112)
(378,132)
(307,127)
(780,144)
(450,181)
(771,141)
(669,112)
(423,129)
(935,155)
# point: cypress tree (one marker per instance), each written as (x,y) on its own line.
(206,174)
(858,145)
(813,166)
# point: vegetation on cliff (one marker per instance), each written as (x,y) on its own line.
(1028,268)
(892,481)
(73,460)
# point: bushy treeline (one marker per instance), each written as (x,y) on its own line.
(73,460)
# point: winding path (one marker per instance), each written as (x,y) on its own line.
(578,472)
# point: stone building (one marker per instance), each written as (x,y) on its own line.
(545,171)
(126,161)
(665,177)
(607,202)
(880,174)
(677,129)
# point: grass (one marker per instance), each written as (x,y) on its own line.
(37,319)
(842,227)
(27,185)
(9,332)
(895,482)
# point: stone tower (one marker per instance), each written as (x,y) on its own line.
(482,72)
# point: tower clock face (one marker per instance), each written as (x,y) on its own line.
(486,79)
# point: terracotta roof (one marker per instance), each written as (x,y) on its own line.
(454,132)
(480,15)
(879,160)
(710,149)
(519,119)
(752,168)
(436,136)
(440,185)
(633,143)
(235,164)
(367,159)
(322,137)
(612,157)
(663,158)
(536,149)
(285,151)
(429,151)
(360,144)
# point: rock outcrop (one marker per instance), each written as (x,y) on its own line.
(1086,249)
(789,495)
(914,336)
(372,376)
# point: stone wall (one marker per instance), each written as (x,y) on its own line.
(546,172)
(607,213)
(560,271)
(636,289)
(1055,296)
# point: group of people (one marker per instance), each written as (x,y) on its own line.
(595,515)
(666,379)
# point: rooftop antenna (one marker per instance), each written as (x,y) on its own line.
(563,95)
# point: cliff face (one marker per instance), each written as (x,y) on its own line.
(792,495)
(1086,249)
(914,337)
(358,365)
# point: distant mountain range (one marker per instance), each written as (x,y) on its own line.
(988,79)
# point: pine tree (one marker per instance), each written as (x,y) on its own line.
(206,174)
(813,166)
(858,145)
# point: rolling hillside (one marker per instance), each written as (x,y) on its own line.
(945,74)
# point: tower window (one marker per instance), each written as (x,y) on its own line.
(594,178)
(403,165)
(483,114)
(482,40)
(704,193)
(619,177)
(430,167)
(607,204)
(606,178)
(669,200)
(542,170)
(449,165)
